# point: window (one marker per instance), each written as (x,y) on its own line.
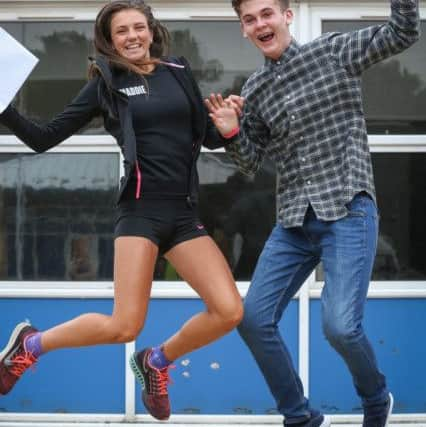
(57,77)
(222,66)
(394,94)
(394,90)
(401,188)
(238,211)
(57,216)
(59,225)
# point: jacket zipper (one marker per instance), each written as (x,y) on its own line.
(138,171)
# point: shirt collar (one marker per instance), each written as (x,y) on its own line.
(292,50)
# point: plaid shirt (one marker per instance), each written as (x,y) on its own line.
(305,112)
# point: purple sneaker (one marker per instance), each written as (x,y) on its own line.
(154,384)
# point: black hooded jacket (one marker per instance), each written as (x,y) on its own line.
(112,104)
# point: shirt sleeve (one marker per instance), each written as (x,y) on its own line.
(248,149)
(42,137)
(358,50)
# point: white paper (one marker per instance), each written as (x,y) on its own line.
(16,63)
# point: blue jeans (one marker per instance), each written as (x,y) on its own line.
(347,249)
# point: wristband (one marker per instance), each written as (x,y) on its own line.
(232,133)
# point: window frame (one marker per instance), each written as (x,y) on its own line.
(306,26)
(351,11)
(98,143)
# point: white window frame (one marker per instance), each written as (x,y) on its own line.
(307,26)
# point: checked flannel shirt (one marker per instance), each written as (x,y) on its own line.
(304,111)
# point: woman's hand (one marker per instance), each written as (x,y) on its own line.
(224,113)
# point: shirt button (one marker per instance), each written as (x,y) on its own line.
(303,159)
(301,138)
(278,62)
(308,182)
(288,97)
(293,117)
(279,77)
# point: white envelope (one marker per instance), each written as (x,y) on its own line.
(16,63)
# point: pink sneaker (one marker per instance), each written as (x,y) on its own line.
(14,358)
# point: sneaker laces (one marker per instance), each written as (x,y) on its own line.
(21,363)
(160,379)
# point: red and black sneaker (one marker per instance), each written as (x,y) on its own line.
(154,384)
(14,358)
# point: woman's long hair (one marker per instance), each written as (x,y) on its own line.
(103,41)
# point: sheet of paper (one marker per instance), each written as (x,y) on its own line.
(16,63)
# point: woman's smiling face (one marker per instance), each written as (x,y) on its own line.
(131,36)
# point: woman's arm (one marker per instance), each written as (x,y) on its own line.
(41,138)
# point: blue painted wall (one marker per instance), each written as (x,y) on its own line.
(396,329)
(221,378)
(88,380)
(235,387)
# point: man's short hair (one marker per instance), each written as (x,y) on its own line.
(236,4)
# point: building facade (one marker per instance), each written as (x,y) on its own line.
(57,217)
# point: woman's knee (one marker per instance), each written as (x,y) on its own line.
(124,332)
(231,315)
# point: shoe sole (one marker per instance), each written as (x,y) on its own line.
(135,368)
(390,409)
(18,329)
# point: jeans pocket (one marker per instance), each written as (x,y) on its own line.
(362,205)
(356,207)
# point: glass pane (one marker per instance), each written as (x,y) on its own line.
(220,57)
(238,211)
(58,77)
(57,216)
(401,196)
(401,189)
(395,90)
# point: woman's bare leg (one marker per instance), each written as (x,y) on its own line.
(201,264)
(134,262)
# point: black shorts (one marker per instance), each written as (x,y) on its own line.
(163,221)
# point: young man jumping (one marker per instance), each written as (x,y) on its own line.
(303,108)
